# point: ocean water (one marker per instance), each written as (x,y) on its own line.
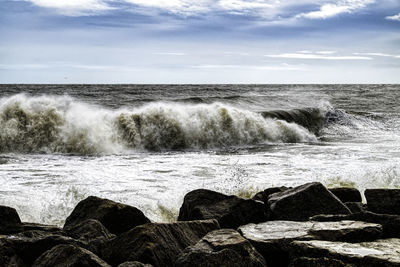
(148,145)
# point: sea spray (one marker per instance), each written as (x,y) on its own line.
(61,124)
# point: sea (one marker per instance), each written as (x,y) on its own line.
(149,145)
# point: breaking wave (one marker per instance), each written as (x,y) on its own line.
(61,124)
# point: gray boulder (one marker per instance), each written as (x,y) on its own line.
(302,202)
(383,252)
(356,207)
(116,217)
(272,239)
(69,256)
(229,211)
(385,201)
(158,244)
(9,221)
(225,247)
(346,194)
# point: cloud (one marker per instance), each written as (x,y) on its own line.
(317,56)
(281,67)
(394,17)
(170,54)
(377,54)
(74,7)
(329,10)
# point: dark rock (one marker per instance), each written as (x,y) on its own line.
(263,195)
(300,203)
(69,256)
(9,257)
(390,223)
(272,239)
(9,221)
(346,194)
(356,207)
(158,244)
(225,247)
(383,252)
(317,262)
(116,217)
(31,244)
(230,211)
(42,227)
(134,264)
(385,201)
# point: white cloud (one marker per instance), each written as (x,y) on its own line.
(326,52)
(377,54)
(170,54)
(330,10)
(394,17)
(317,56)
(281,67)
(74,7)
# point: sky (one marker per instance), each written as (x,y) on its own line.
(199,41)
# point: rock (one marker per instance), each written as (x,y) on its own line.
(390,223)
(9,257)
(272,238)
(116,217)
(356,207)
(225,247)
(134,264)
(263,195)
(383,252)
(9,221)
(69,256)
(230,211)
(346,194)
(302,202)
(42,227)
(385,201)
(317,262)
(158,244)
(31,244)
(92,233)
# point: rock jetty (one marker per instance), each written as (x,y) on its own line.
(308,225)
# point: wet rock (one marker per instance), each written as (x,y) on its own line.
(134,264)
(385,201)
(69,256)
(116,217)
(158,244)
(92,233)
(356,207)
(225,247)
(390,223)
(42,227)
(383,252)
(9,257)
(230,211)
(272,239)
(302,202)
(31,244)
(9,221)
(263,195)
(346,194)
(317,262)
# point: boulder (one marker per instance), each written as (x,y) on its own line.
(385,201)
(225,247)
(134,264)
(383,252)
(31,244)
(317,262)
(346,194)
(42,227)
(158,244)
(390,223)
(69,256)
(302,202)
(9,221)
(9,256)
(116,217)
(229,211)
(272,239)
(263,195)
(92,233)
(356,207)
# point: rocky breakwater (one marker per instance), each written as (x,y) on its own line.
(308,225)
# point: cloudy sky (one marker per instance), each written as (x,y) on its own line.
(199,41)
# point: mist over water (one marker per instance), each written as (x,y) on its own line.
(148,145)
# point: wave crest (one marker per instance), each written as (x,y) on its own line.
(64,125)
